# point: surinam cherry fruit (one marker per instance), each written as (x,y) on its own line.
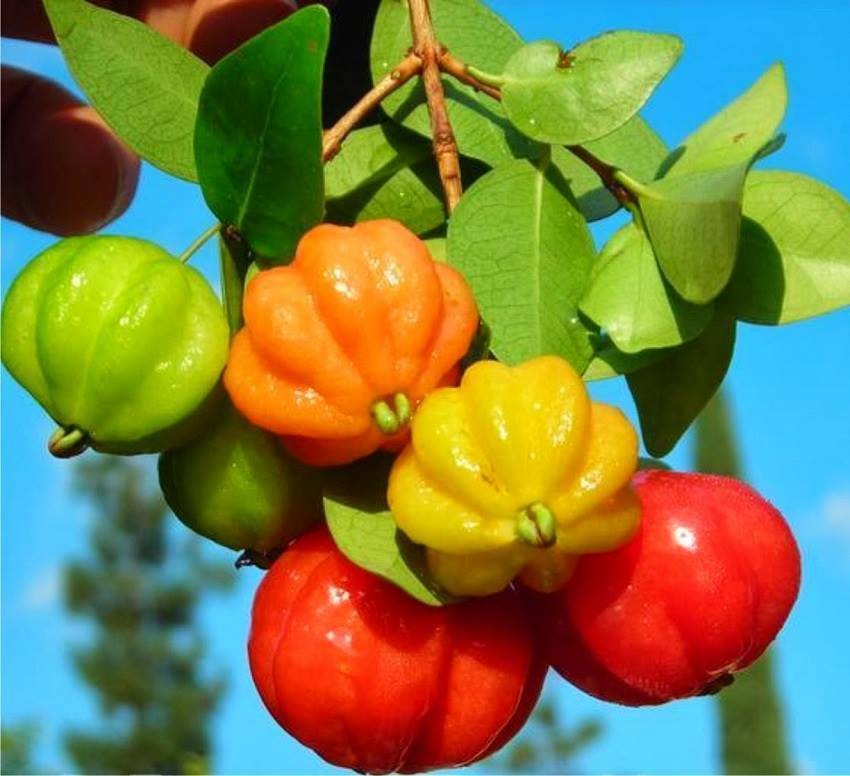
(699,593)
(119,342)
(236,485)
(341,345)
(374,680)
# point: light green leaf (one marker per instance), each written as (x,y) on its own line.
(693,214)
(473,33)
(519,239)
(385,172)
(372,153)
(630,300)
(738,133)
(145,87)
(634,148)
(364,531)
(437,248)
(569,98)
(694,222)
(258,140)
(794,256)
(670,393)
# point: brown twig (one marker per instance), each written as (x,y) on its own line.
(400,75)
(454,67)
(445,147)
(457,69)
(605,173)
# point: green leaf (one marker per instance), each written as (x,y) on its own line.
(234,264)
(693,214)
(473,33)
(570,98)
(364,531)
(609,362)
(694,223)
(645,463)
(258,140)
(385,172)
(437,248)
(630,300)
(794,256)
(634,148)
(145,87)
(739,132)
(521,242)
(670,393)
(372,154)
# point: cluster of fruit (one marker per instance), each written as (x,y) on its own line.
(638,588)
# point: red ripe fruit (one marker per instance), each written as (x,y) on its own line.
(699,593)
(373,680)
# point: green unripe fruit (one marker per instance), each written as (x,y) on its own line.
(119,342)
(237,486)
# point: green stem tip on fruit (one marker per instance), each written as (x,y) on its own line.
(391,419)
(535,525)
(68,442)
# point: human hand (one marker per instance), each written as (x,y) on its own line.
(64,171)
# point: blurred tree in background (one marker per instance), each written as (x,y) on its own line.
(545,745)
(752,727)
(16,748)
(139,588)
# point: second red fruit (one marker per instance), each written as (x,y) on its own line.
(699,593)
(373,680)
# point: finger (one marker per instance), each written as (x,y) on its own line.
(167,17)
(27,19)
(63,170)
(214,28)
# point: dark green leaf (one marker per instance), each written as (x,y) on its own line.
(258,141)
(570,98)
(694,222)
(385,172)
(670,393)
(473,33)
(794,256)
(634,148)
(479,348)
(630,300)
(521,242)
(145,87)
(364,531)
(653,463)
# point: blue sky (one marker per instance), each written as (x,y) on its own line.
(789,387)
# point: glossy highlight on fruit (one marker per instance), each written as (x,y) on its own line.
(699,593)
(235,485)
(340,346)
(119,342)
(373,680)
(514,472)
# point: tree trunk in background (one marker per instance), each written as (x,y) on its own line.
(752,726)
(138,588)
